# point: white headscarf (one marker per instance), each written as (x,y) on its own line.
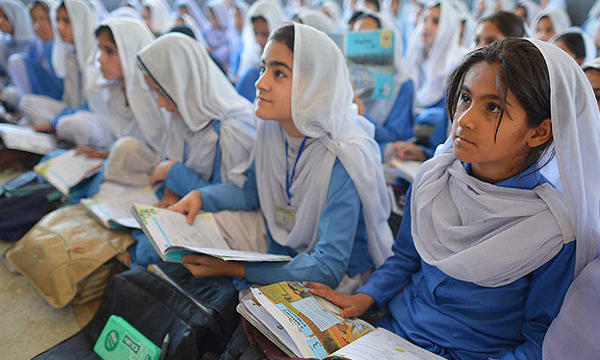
(322,110)
(189,22)
(475,231)
(590,45)
(134,4)
(317,20)
(130,37)
(99,9)
(335,12)
(559,18)
(202,94)
(273,14)
(221,12)
(379,109)
(160,20)
(125,12)
(19,18)
(444,54)
(593,64)
(83,23)
(532,9)
(195,12)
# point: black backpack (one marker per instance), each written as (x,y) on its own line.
(199,323)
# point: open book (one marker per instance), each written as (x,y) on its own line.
(26,139)
(115,212)
(304,325)
(173,237)
(67,170)
(405,169)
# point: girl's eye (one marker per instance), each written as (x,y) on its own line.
(262,70)
(494,108)
(463,99)
(279,74)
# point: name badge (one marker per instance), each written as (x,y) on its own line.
(285,217)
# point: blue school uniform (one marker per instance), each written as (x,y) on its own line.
(42,78)
(342,245)
(245,85)
(461,320)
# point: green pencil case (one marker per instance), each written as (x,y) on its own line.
(119,340)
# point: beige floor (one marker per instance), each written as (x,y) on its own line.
(28,325)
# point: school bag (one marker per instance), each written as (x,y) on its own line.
(199,323)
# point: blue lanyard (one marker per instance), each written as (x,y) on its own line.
(185,150)
(288,180)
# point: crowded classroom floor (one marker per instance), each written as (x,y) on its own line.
(428,167)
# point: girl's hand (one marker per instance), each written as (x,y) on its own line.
(207,266)
(44,30)
(190,204)
(91,153)
(45,128)
(352,305)
(161,171)
(409,151)
(168,199)
(361,105)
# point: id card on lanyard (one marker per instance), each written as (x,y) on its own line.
(285,215)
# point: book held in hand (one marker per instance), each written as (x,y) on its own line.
(67,170)
(114,213)
(304,325)
(173,237)
(25,139)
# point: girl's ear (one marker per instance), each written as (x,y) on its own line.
(541,134)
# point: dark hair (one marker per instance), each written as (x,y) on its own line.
(106,30)
(508,23)
(182,29)
(62,6)
(374,2)
(370,16)
(355,17)
(524,72)
(256,18)
(574,42)
(524,9)
(284,34)
(39,3)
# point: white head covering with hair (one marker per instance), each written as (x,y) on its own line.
(160,19)
(449,207)
(125,12)
(202,94)
(107,97)
(559,18)
(273,13)
(194,11)
(189,22)
(430,70)
(593,64)
(531,7)
(134,4)
(317,20)
(590,46)
(334,10)
(19,18)
(322,110)
(99,9)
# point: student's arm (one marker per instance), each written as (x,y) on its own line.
(182,179)
(395,273)
(226,196)
(399,123)
(328,261)
(547,291)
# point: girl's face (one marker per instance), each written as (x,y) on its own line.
(147,17)
(274,87)
(162,100)
(261,31)
(366,24)
(5,25)
(63,23)
(593,76)
(430,26)
(486,33)
(544,29)
(475,122)
(41,23)
(110,63)
(561,44)
(183,10)
(521,12)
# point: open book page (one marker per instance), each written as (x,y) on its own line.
(405,169)
(315,325)
(25,139)
(115,212)
(268,326)
(174,238)
(383,344)
(67,170)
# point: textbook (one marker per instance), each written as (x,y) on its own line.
(114,213)
(370,61)
(173,237)
(405,169)
(67,170)
(304,325)
(26,139)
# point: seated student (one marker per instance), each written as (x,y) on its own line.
(315,19)
(485,237)
(432,54)
(157,16)
(392,118)
(211,128)
(216,36)
(549,22)
(576,43)
(70,59)
(498,26)
(311,154)
(262,17)
(32,72)
(592,71)
(190,7)
(17,33)
(526,10)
